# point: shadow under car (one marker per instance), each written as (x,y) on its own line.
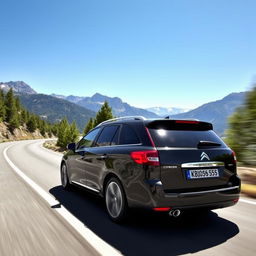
(146,232)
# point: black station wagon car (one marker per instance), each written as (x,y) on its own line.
(161,164)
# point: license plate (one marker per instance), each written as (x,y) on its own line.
(202,174)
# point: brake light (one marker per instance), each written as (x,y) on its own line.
(234,155)
(149,157)
(162,209)
(186,122)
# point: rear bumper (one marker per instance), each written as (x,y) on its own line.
(198,193)
(217,198)
(212,198)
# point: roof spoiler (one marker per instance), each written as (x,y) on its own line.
(181,124)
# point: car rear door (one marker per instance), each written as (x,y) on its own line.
(76,160)
(98,159)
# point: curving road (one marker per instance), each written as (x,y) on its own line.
(32,222)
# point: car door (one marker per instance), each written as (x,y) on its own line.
(77,159)
(98,157)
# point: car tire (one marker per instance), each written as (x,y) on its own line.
(115,200)
(64,177)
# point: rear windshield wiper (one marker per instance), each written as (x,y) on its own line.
(205,143)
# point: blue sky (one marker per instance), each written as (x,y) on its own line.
(179,53)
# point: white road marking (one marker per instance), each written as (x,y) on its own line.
(98,244)
(253,202)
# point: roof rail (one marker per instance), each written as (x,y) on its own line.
(122,118)
(185,119)
(188,119)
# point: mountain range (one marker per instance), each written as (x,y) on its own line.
(54,110)
(54,107)
(216,112)
(119,107)
(17,86)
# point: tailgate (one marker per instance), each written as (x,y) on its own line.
(183,170)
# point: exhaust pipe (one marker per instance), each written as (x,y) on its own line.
(174,213)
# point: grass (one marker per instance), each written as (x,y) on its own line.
(52,145)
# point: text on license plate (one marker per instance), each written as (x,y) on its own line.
(202,174)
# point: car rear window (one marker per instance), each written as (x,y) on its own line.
(184,138)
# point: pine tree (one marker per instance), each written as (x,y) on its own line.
(89,126)
(43,129)
(2,106)
(24,116)
(14,122)
(31,124)
(17,103)
(72,134)
(54,129)
(48,129)
(12,116)
(19,109)
(10,105)
(38,121)
(63,130)
(103,114)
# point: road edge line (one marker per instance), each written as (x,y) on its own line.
(95,241)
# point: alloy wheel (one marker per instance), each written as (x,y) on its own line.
(64,177)
(114,199)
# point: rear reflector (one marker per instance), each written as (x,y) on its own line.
(162,209)
(236,200)
(149,157)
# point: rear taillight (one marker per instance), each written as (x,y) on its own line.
(149,157)
(234,156)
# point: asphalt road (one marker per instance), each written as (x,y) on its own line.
(30,226)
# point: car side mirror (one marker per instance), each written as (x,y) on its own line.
(72,146)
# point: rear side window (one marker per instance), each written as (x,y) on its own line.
(184,138)
(107,135)
(87,140)
(128,136)
(116,137)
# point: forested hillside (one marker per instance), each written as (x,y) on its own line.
(241,135)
